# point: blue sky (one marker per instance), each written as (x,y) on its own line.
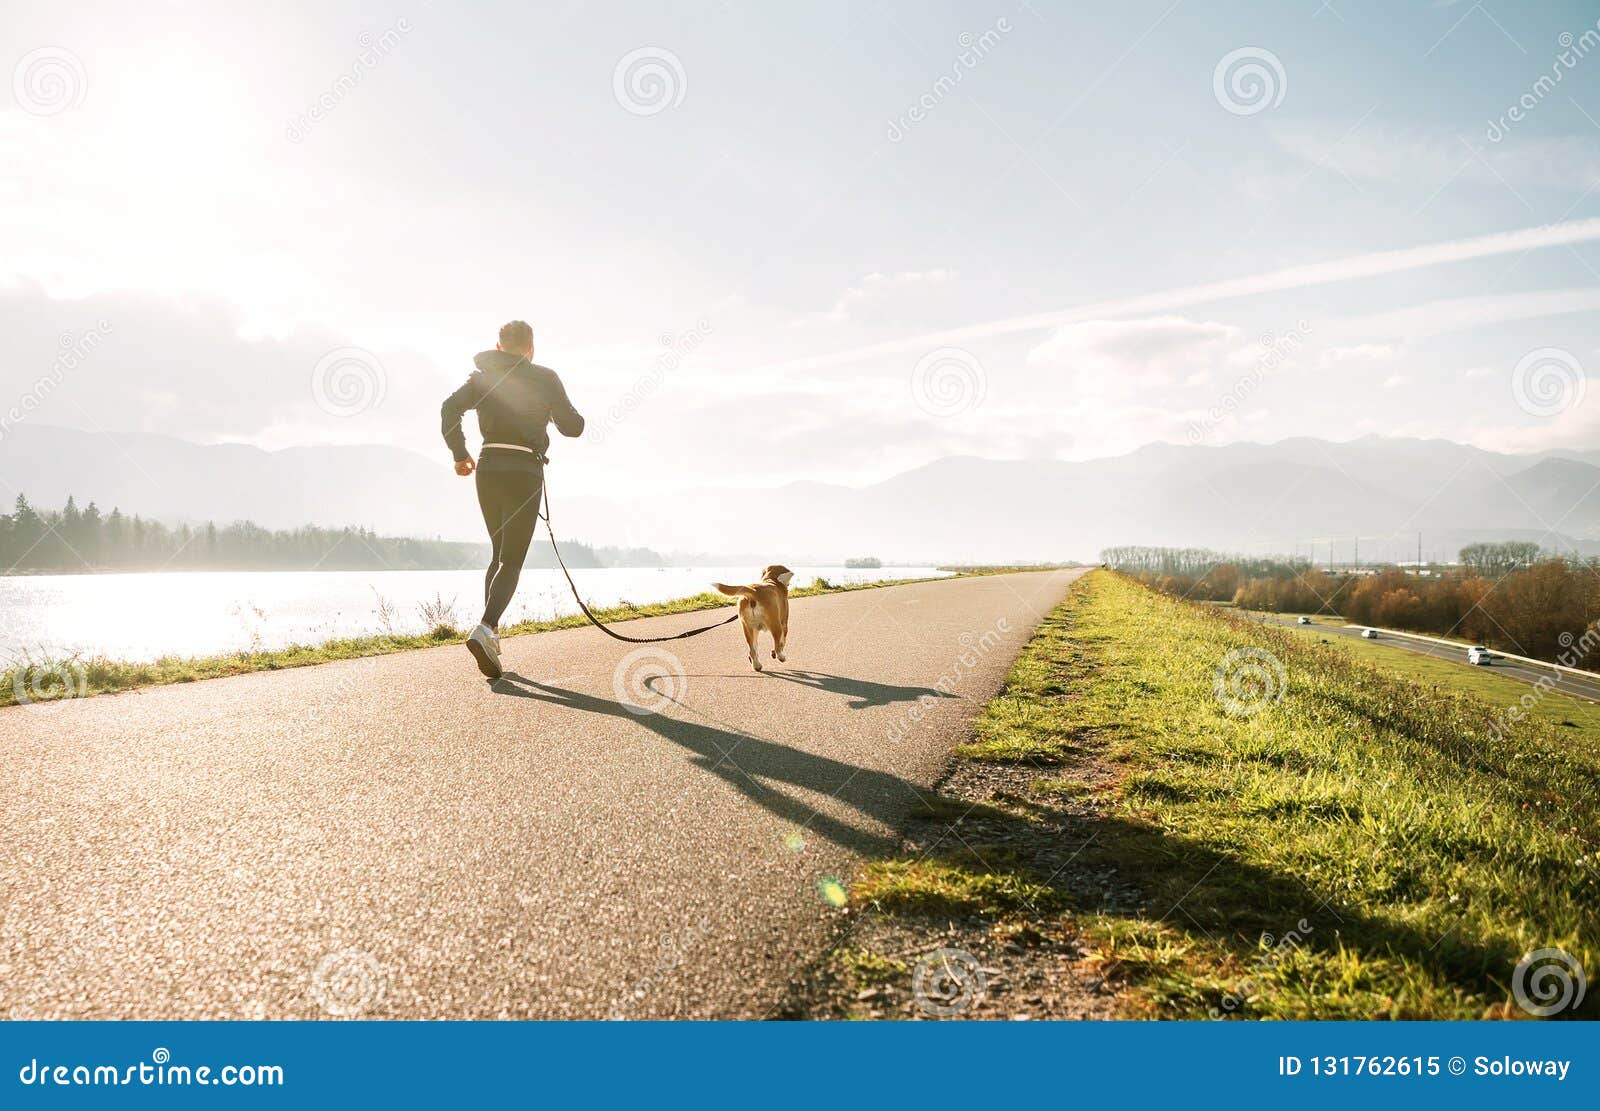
(763,265)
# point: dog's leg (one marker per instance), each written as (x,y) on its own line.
(750,639)
(779,636)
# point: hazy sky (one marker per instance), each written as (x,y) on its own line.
(764,242)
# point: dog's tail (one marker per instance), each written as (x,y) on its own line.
(735,591)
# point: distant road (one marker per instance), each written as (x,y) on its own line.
(1559,680)
(394,837)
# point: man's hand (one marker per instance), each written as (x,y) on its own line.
(465,467)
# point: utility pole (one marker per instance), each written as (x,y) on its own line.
(1358,553)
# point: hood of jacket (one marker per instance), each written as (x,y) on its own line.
(497,361)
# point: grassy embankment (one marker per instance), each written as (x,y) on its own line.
(1561,711)
(1362,846)
(46,678)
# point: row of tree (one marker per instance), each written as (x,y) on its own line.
(1531,606)
(1195,562)
(74,539)
(1494,560)
(85,539)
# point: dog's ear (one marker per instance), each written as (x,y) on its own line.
(778,573)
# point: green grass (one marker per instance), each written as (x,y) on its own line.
(44,679)
(1004,568)
(868,969)
(1563,712)
(938,888)
(1362,845)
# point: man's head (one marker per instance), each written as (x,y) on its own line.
(516,338)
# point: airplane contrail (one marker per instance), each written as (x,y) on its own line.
(1294,277)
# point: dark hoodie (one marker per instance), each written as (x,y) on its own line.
(515,400)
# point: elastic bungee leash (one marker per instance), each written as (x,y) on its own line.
(593,620)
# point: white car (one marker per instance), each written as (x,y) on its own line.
(1479,655)
(1369,634)
(1302,620)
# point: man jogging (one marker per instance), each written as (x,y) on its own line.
(515,399)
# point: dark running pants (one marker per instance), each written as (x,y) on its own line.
(510,504)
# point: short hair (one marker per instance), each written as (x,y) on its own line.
(516,335)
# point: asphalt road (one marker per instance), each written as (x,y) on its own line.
(1568,684)
(397,838)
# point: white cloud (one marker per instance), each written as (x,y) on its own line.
(1395,381)
(184,370)
(1349,268)
(1432,160)
(1357,353)
(875,285)
(1578,427)
(1460,314)
(1124,357)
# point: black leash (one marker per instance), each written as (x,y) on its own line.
(595,621)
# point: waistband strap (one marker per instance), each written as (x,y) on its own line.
(539,457)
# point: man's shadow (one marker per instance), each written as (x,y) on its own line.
(752,765)
(1207,894)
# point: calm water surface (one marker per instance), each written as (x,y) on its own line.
(142,616)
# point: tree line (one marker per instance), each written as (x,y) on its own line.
(1494,560)
(1501,595)
(74,539)
(1194,562)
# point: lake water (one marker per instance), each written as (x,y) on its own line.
(143,616)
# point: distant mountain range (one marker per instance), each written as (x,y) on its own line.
(1293,495)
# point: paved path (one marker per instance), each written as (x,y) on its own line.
(395,837)
(1565,682)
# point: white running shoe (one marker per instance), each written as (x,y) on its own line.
(485,648)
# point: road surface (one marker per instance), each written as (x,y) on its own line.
(1575,685)
(395,837)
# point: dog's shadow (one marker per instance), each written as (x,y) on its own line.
(863,693)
